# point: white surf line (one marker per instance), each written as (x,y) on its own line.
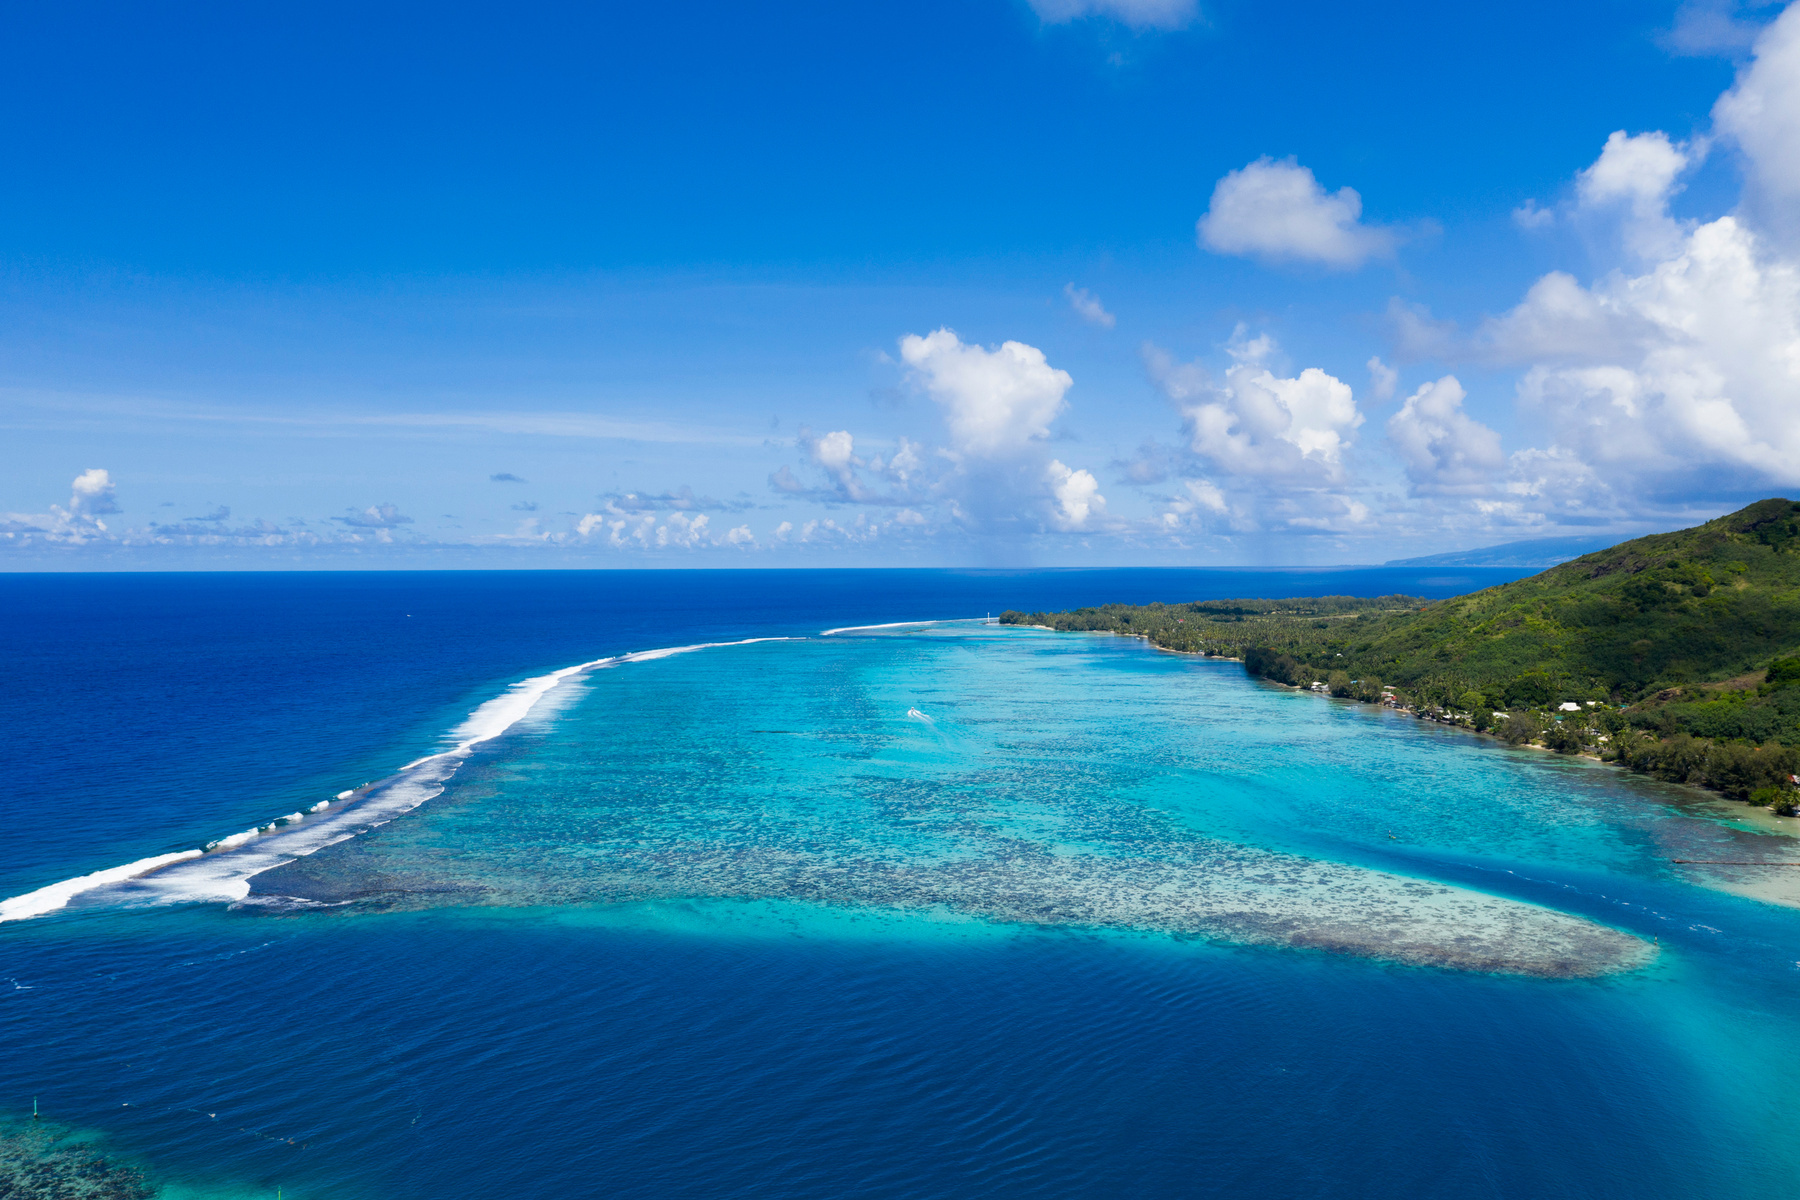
(895,625)
(222,869)
(48,899)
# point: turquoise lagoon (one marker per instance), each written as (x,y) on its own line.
(962,771)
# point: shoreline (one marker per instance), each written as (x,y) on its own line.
(1770,888)
(1716,799)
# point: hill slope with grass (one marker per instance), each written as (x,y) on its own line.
(1679,644)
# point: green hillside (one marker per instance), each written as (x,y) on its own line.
(1678,640)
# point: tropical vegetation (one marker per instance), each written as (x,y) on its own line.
(1677,655)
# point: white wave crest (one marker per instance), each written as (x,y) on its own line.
(49,899)
(888,625)
(224,868)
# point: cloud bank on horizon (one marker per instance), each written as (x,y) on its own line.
(1646,374)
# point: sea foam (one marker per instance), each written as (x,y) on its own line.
(222,870)
(888,625)
(55,896)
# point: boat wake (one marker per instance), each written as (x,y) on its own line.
(222,869)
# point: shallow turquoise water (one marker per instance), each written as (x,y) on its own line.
(980,772)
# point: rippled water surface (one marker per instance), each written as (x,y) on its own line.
(934,910)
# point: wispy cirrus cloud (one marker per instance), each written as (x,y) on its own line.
(1711,28)
(682,499)
(38,408)
(376,516)
(1136,14)
(1087,306)
(1261,449)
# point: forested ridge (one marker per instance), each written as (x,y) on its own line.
(1680,651)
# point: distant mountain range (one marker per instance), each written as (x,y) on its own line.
(1538,553)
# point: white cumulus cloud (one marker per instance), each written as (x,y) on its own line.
(1677,374)
(902,464)
(995,401)
(1529,216)
(1263,449)
(834,451)
(93,494)
(1639,169)
(646,531)
(1637,174)
(1445,450)
(1256,423)
(1077,495)
(1562,318)
(682,530)
(377,516)
(1278,211)
(1202,504)
(835,454)
(1761,113)
(1693,364)
(1383,379)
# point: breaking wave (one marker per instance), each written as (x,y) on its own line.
(222,869)
(886,625)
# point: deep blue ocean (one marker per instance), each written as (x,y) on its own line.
(930,909)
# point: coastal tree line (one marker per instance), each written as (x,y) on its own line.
(1677,652)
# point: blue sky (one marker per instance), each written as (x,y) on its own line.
(979,283)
